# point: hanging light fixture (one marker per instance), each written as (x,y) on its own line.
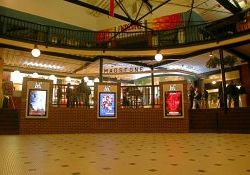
(36,52)
(158,56)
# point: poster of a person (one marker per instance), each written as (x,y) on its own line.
(37,102)
(107,105)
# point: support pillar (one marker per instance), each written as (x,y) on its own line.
(152,87)
(223,81)
(101,70)
(1,78)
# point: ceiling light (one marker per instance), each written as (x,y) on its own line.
(86,79)
(96,80)
(34,75)
(52,77)
(16,77)
(35,52)
(211,54)
(67,79)
(158,57)
(47,66)
(90,83)
(213,82)
(16,72)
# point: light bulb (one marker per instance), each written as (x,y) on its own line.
(211,54)
(67,79)
(86,79)
(36,52)
(158,57)
(35,75)
(96,80)
(90,83)
(16,77)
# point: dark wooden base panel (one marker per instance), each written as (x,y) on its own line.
(216,120)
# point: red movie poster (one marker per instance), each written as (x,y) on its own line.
(173,103)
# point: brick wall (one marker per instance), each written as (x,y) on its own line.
(80,120)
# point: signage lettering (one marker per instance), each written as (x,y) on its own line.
(129,27)
(122,70)
(172,87)
(38,85)
(106,89)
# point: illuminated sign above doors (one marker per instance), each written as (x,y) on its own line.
(122,70)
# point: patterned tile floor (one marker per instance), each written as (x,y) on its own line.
(125,154)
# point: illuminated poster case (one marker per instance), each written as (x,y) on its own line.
(37,97)
(107,105)
(173,103)
(37,103)
(173,100)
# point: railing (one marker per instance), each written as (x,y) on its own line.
(68,96)
(131,97)
(17,29)
(139,96)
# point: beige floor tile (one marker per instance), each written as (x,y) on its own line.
(125,154)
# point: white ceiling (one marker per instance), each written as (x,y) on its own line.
(83,17)
(210,10)
(196,64)
(22,59)
(14,59)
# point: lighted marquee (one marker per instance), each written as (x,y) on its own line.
(173,103)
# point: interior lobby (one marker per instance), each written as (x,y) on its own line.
(124,86)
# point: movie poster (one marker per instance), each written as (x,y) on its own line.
(37,101)
(173,103)
(107,104)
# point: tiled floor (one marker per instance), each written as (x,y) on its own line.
(125,154)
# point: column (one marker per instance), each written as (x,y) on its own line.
(101,70)
(152,87)
(1,78)
(223,80)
